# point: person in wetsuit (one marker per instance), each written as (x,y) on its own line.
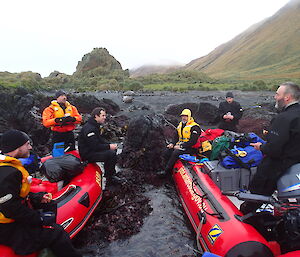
(23,228)
(282,147)
(230,112)
(93,147)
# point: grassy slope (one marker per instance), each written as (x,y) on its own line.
(270,49)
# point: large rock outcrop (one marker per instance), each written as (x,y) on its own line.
(97,63)
(144,144)
(204,113)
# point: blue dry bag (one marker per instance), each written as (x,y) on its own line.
(58,149)
(207,254)
(242,157)
(191,158)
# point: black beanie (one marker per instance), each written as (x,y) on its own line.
(59,93)
(229,94)
(12,139)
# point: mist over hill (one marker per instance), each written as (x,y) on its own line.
(269,49)
(152,69)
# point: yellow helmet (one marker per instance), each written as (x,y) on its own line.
(186,112)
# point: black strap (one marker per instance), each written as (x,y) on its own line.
(237,159)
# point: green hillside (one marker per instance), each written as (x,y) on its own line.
(267,50)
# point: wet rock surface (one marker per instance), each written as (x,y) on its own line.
(204,113)
(143,144)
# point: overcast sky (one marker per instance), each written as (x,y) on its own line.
(43,36)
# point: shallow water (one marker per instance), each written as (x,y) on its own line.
(165,232)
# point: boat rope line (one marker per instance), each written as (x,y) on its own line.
(195,250)
(205,196)
(198,235)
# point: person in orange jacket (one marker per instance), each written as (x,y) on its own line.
(62,118)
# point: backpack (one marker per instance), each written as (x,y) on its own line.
(211,134)
(204,141)
(241,157)
(62,168)
(218,145)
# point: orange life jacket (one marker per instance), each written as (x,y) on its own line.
(55,111)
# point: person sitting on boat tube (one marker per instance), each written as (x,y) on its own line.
(93,147)
(62,118)
(22,228)
(188,132)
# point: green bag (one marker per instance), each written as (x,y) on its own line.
(219,144)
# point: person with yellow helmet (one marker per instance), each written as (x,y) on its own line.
(188,132)
(22,228)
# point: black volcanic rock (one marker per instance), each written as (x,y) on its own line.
(86,103)
(144,143)
(19,111)
(203,113)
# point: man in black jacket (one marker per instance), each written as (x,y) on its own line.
(282,147)
(93,147)
(22,228)
(230,112)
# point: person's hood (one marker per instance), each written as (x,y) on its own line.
(188,113)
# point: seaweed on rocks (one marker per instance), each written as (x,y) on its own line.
(144,144)
(256,119)
(120,213)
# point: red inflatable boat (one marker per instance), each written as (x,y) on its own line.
(216,220)
(76,201)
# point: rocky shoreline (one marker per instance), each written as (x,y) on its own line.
(142,126)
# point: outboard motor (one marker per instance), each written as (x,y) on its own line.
(288,185)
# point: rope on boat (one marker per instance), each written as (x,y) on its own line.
(204,196)
(198,235)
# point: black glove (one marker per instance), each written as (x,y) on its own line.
(59,120)
(48,218)
(70,119)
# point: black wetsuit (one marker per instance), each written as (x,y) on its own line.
(27,234)
(93,147)
(235,109)
(281,151)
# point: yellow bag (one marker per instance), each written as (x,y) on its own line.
(205,146)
